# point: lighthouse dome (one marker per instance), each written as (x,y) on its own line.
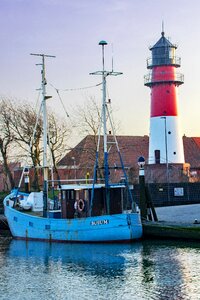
(163,42)
(163,52)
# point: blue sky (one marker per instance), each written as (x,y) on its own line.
(71,30)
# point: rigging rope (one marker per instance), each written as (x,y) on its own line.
(78,89)
(57,91)
(72,89)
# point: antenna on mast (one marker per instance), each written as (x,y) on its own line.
(162,28)
(112,57)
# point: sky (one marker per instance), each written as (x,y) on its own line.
(72,29)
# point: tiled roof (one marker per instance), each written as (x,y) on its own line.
(197,141)
(81,154)
(131,147)
(192,151)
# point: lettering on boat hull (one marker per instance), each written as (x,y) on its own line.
(99,222)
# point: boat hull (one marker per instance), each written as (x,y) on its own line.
(124,227)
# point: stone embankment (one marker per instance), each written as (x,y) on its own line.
(181,222)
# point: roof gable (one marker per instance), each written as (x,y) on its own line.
(131,147)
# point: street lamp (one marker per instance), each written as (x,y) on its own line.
(166,153)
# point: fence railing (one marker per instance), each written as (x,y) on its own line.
(171,194)
(152,78)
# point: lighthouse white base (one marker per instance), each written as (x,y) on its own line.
(166,138)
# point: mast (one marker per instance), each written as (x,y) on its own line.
(103,43)
(104,75)
(45,164)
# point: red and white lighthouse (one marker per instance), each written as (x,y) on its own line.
(165,142)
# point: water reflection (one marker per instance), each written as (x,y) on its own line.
(162,271)
(86,257)
(144,270)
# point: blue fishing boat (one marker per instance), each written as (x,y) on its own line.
(87,212)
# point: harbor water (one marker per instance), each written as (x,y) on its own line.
(149,269)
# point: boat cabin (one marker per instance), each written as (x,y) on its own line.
(76,200)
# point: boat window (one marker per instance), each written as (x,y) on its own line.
(86,195)
(47,227)
(77,195)
(15,219)
(69,194)
(31,224)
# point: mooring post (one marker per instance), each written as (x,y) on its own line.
(26,180)
(142,201)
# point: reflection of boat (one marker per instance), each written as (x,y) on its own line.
(92,254)
(103,260)
(97,212)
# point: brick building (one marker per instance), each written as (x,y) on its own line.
(80,160)
(4,182)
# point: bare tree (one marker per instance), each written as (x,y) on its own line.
(58,136)
(28,129)
(28,134)
(21,127)
(87,119)
(6,138)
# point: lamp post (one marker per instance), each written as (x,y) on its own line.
(166,154)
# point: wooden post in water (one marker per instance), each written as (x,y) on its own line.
(147,210)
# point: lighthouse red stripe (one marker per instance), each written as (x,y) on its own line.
(164,93)
(164,100)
